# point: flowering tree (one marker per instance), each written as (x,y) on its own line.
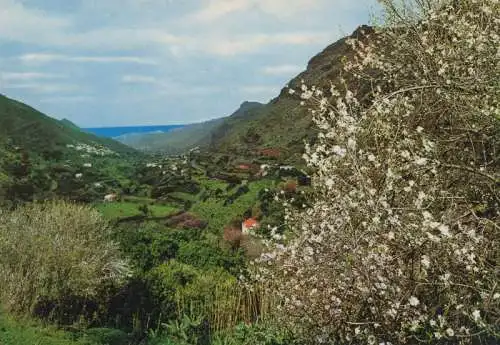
(402,242)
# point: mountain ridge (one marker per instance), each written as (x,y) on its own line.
(282,124)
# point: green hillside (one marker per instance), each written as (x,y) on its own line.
(41,134)
(41,157)
(68,123)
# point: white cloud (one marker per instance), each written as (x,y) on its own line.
(38,87)
(124,38)
(227,46)
(217,9)
(185,52)
(139,79)
(26,76)
(284,70)
(22,24)
(48,58)
(287,8)
(204,31)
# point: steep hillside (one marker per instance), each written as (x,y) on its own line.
(283,124)
(185,138)
(30,129)
(41,157)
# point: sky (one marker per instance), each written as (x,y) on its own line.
(159,62)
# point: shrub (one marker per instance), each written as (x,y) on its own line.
(401,243)
(151,244)
(186,220)
(178,287)
(290,186)
(210,295)
(52,250)
(232,235)
(204,255)
(106,336)
(256,334)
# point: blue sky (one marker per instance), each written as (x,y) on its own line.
(146,62)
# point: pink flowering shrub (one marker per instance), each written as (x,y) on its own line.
(402,242)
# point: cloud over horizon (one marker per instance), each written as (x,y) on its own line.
(129,62)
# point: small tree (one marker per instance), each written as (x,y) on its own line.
(402,242)
(52,250)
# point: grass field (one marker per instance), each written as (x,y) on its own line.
(219,215)
(26,333)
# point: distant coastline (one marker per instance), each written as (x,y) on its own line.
(114,132)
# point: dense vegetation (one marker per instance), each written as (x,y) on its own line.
(401,243)
(176,278)
(394,240)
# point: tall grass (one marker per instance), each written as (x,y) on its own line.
(229,305)
(54,250)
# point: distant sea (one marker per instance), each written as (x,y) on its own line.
(114,132)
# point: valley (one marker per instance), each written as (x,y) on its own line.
(174,217)
(360,205)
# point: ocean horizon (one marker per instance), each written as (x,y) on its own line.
(113,132)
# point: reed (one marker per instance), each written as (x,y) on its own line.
(229,305)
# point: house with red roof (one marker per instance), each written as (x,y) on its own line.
(249,224)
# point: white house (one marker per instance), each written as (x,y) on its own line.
(79,175)
(87,165)
(111,197)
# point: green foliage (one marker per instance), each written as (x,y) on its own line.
(119,210)
(255,334)
(180,288)
(53,250)
(24,333)
(40,157)
(201,255)
(218,215)
(152,244)
(105,336)
(187,331)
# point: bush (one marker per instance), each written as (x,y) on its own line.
(257,334)
(203,255)
(106,336)
(178,288)
(211,296)
(52,250)
(401,243)
(151,244)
